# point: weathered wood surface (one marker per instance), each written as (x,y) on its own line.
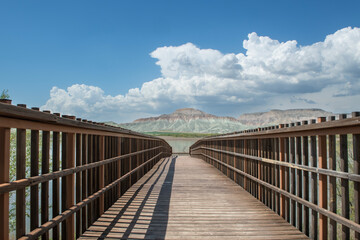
(186,198)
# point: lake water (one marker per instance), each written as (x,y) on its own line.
(180,145)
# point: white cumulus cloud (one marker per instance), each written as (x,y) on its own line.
(270,74)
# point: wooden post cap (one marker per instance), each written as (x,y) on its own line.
(342,116)
(6,101)
(355,114)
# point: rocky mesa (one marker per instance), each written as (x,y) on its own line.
(190,120)
(275,116)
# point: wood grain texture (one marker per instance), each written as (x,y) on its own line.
(20,174)
(186,198)
(4,177)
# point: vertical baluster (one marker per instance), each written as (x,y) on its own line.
(273,173)
(322,184)
(227,158)
(90,179)
(260,169)
(299,181)
(70,185)
(269,171)
(305,157)
(356,152)
(63,179)
(124,164)
(20,174)
(96,176)
(137,142)
(292,180)
(235,162)
(84,181)
(45,185)
(277,174)
(34,171)
(314,186)
(344,166)
(287,178)
(332,183)
(78,183)
(55,182)
(141,142)
(4,178)
(282,173)
(246,168)
(118,153)
(101,173)
(130,161)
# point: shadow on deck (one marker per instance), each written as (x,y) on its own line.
(185,198)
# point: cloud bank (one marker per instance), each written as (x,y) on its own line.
(271,74)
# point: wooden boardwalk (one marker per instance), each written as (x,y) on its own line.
(186,198)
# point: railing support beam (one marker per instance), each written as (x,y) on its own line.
(70,184)
(323,229)
(4,178)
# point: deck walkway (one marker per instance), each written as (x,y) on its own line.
(186,198)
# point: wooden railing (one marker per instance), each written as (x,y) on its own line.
(307,172)
(68,170)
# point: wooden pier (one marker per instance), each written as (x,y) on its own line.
(78,179)
(186,198)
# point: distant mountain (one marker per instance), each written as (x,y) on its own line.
(275,116)
(185,120)
(190,120)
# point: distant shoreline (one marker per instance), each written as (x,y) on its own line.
(179,138)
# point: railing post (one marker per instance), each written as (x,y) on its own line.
(84,182)
(356,152)
(323,229)
(282,173)
(20,174)
(305,157)
(101,173)
(332,183)
(45,163)
(4,178)
(245,165)
(344,166)
(235,165)
(130,162)
(118,153)
(314,185)
(34,190)
(259,168)
(70,184)
(78,183)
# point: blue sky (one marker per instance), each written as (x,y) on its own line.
(104,47)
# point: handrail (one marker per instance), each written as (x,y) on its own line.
(329,214)
(91,164)
(294,169)
(332,173)
(31,181)
(61,217)
(20,113)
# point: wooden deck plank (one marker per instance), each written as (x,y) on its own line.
(187,198)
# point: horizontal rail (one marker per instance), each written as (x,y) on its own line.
(61,217)
(21,117)
(66,163)
(31,181)
(308,172)
(328,172)
(339,219)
